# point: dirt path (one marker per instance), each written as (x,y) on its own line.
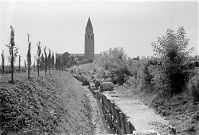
(141,116)
(100,127)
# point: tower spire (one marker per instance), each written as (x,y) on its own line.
(89,24)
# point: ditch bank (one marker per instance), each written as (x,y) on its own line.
(47,105)
(100,125)
(117,121)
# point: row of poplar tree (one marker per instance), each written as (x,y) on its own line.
(44,61)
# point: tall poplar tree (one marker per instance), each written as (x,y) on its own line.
(3,62)
(19,63)
(49,60)
(45,60)
(38,56)
(29,56)
(13,51)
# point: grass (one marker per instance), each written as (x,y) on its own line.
(51,104)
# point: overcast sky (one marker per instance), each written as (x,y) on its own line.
(60,25)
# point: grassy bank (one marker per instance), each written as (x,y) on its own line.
(51,104)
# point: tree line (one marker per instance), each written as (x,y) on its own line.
(45,58)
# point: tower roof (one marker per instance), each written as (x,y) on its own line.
(89,24)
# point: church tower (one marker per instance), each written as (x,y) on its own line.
(89,41)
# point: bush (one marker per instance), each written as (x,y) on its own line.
(115,61)
(193,87)
(85,61)
(133,65)
(159,80)
(171,50)
(118,75)
(144,76)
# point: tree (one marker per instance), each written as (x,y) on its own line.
(19,63)
(3,61)
(71,60)
(29,56)
(59,62)
(34,66)
(25,65)
(115,61)
(13,50)
(42,62)
(65,57)
(49,60)
(53,60)
(45,60)
(56,61)
(172,51)
(38,56)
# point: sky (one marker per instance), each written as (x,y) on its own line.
(60,24)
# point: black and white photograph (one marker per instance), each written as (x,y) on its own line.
(99,67)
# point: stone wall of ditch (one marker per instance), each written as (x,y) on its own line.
(115,118)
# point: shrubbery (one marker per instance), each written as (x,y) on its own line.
(171,50)
(115,61)
(193,87)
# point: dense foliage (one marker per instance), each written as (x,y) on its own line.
(193,87)
(171,50)
(115,61)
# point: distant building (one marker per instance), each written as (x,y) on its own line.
(89,50)
(89,41)
(79,56)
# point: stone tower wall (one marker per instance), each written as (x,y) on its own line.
(89,41)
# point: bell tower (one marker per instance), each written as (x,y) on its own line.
(89,41)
